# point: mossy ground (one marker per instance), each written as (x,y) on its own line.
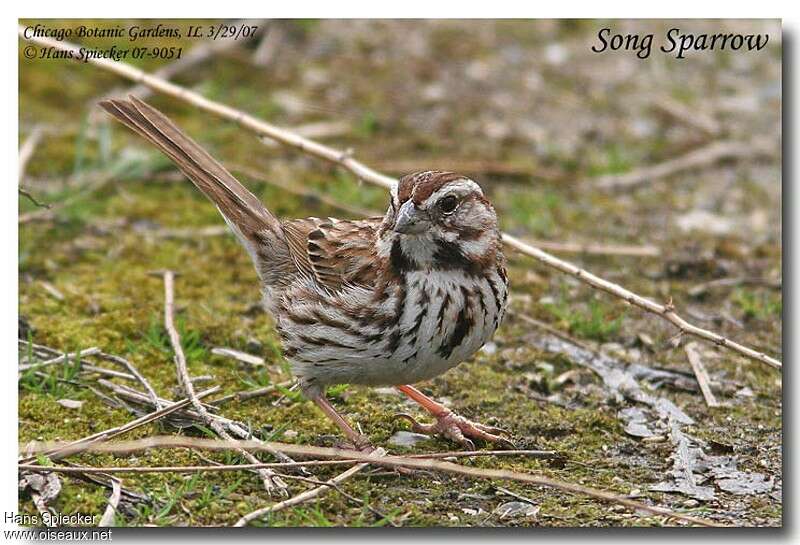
(99,249)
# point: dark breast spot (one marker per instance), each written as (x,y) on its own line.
(464,323)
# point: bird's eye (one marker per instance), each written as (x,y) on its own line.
(447,204)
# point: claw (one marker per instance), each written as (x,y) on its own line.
(459,430)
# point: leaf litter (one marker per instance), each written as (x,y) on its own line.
(695,472)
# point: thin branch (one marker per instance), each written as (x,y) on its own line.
(238,355)
(350,497)
(693,119)
(666,311)
(272,482)
(363,172)
(37,203)
(711,154)
(250,394)
(130,367)
(192,58)
(60,359)
(217,467)
(597,249)
(303,497)
(422,464)
(693,354)
(701,289)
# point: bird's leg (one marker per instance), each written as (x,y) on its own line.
(359,441)
(452,426)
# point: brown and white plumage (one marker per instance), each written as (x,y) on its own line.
(388,300)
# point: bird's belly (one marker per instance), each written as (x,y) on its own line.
(425,328)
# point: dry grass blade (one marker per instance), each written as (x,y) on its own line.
(113,503)
(363,172)
(26,152)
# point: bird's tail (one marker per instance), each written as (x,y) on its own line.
(241,209)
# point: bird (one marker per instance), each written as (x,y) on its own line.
(389,300)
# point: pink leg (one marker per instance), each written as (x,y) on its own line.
(449,424)
(359,441)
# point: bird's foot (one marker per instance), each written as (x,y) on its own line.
(459,429)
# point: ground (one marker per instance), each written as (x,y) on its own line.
(525,109)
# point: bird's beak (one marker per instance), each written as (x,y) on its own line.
(411,220)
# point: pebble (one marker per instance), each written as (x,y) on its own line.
(70,403)
(407,438)
(513,509)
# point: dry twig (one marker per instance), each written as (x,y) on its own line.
(597,249)
(693,354)
(27,194)
(129,366)
(192,58)
(709,155)
(303,497)
(215,446)
(272,482)
(345,160)
(250,394)
(693,119)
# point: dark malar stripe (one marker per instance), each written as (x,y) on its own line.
(448,256)
(463,326)
(399,261)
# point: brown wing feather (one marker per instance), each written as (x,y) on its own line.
(337,253)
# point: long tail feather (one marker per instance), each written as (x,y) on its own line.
(242,210)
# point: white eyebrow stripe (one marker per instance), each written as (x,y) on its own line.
(461,186)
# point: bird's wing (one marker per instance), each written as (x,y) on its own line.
(336,253)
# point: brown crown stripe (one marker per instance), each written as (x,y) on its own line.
(423,184)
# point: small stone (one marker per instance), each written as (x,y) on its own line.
(515,509)
(290,434)
(407,438)
(70,403)
(691,503)
(254,345)
(386,391)
(489,348)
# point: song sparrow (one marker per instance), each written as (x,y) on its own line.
(387,300)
